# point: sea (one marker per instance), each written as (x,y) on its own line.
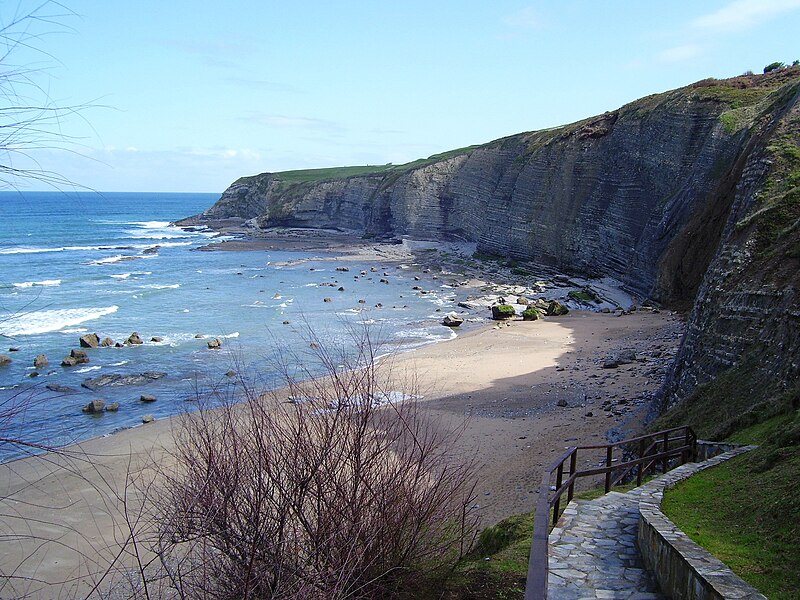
(73,263)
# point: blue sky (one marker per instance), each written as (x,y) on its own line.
(189,95)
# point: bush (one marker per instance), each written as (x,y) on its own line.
(346,491)
(774,67)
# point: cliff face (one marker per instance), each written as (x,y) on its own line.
(676,195)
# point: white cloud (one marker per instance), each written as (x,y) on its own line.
(743,14)
(679,53)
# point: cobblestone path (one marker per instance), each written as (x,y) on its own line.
(593,551)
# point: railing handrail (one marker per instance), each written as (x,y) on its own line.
(536,585)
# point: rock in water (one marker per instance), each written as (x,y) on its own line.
(452,321)
(134,339)
(148,419)
(113,407)
(4,360)
(107,342)
(147,398)
(115,379)
(156,339)
(95,406)
(90,340)
(214,344)
(40,361)
(61,389)
(80,356)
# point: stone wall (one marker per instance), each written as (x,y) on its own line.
(684,570)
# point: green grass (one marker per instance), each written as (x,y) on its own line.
(746,512)
(316,175)
(498,566)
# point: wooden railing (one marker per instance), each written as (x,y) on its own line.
(662,451)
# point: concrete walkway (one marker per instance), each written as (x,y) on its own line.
(593,551)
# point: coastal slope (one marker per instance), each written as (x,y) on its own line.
(689,198)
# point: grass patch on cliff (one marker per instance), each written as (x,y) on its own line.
(746,512)
(330,173)
(735,399)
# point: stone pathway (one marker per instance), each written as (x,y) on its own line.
(593,551)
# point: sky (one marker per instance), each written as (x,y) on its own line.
(188,96)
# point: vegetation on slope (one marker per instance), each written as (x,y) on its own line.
(747,511)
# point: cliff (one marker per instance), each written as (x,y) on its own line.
(688,197)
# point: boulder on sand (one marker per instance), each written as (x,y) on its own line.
(90,340)
(503,311)
(452,321)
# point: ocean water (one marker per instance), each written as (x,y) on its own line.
(76,263)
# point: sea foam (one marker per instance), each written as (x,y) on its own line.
(44,321)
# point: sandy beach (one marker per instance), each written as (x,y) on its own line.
(526,389)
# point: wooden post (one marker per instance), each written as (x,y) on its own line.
(609,452)
(641,464)
(665,460)
(573,466)
(559,481)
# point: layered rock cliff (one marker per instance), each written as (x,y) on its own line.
(688,197)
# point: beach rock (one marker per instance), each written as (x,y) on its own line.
(4,360)
(13,349)
(343,269)
(119,345)
(33,374)
(523,301)
(341,289)
(148,419)
(363,272)
(362,301)
(147,398)
(214,344)
(556,309)
(151,250)
(531,314)
(561,402)
(90,340)
(106,342)
(113,407)
(452,321)
(231,373)
(61,389)
(95,406)
(327,300)
(116,379)
(40,361)
(156,339)
(286,322)
(503,311)
(198,336)
(134,339)
(69,361)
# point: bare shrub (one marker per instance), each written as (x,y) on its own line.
(343,491)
